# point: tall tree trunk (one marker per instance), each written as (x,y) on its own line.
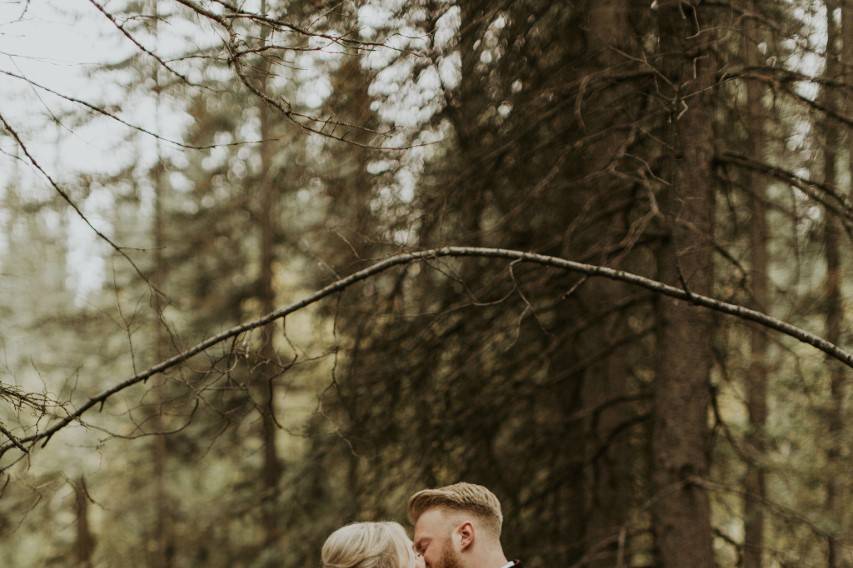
(756,381)
(84,542)
(833,307)
(839,387)
(608,484)
(467,106)
(608,487)
(847,76)
(268,369)
(681,509)
(164,546)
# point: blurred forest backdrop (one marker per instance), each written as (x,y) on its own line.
(266,148)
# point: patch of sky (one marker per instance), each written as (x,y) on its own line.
(374,15)
(401,236)
(215,159)
(416,38)
(314,93)
(406,181)
(179,182)
(429,81)
(388,80)
(86,268)
(808,61)
(377,167)
(450,70)
(800,133)
(446,28)
(325,48)
(222,138)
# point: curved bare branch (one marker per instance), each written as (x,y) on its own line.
(683,294)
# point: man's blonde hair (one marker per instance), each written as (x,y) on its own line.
(467,497)
(368,545)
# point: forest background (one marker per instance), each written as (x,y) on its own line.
(677,395)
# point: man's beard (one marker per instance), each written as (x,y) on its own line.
(449,557)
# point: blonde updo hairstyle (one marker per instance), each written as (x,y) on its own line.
(368,545)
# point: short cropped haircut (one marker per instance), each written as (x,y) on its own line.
(368,545)
(466,497)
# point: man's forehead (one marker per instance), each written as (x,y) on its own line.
(430,520)
(436,519)
(426,518)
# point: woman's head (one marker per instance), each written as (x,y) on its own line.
(369,545)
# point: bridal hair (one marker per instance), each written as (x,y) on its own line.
(368,545)
(466,497)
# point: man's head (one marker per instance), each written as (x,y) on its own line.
(457,526)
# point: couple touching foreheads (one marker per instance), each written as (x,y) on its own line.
(457,526)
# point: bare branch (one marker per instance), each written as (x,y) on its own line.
(13,439)
(835,202)
(278,24)
(741,312)
(120,27)
(117,118)
(120,250)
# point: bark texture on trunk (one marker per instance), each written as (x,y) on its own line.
(756,381)
(264,380)
(609,448)
(834,305)
(681,509)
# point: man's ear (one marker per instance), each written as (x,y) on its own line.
(466,535)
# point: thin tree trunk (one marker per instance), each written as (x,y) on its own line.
(265,387)
(839,388)
(608,484)
(608,487)
(164,547)
(84,542)
(681,509)
(847,76)
(756,383)
(465,112)
(833,307)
